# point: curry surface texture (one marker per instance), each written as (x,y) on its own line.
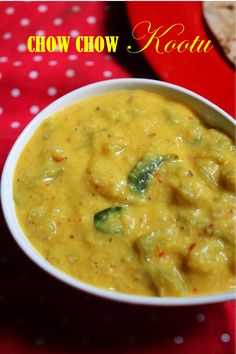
(131,192)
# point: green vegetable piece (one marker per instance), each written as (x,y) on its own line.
(166,279)
(109,220)
(139,177)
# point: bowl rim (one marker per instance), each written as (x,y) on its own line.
(22,240)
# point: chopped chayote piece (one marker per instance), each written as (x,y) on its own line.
(139,177)
(109,220)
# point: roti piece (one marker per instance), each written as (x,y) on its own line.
(220,17)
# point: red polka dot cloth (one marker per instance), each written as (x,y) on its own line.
(37,313)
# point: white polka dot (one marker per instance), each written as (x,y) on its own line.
(21,47)
(58,21)
(75,8)
(70,73)
(200,317)
(17,63)
(225,338)
(52,63)
(37,58)
(33,74)
(74,33)
(1,110)
(91,20)
(0,76)
(15,92)
(52,91)
(89,63)
(72,57)
(42,8)
(24,22)
(10,10)
(107,73)
(40,341)
(6,35)
(3,59)
(34,109)
(40,33)
(15,125)
(178,340)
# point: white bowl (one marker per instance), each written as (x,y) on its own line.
(209,112)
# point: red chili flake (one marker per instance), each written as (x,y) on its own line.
(211,225)
(191,246)
(159,252)
(58,158)
(194,290)
(58,223)
(97,186)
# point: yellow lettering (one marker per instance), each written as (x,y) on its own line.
(170,43)
(40,44)
(167,31)
(63,43)
(88,44)
(51,44)
(155,34)
(199,47)
(111,42)
(30,45)
(184,44)
(137,28)
(78,44)
(192,47)
(206,49)
(99,44)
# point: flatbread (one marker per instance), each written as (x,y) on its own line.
(221,17)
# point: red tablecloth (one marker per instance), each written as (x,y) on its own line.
(37,313)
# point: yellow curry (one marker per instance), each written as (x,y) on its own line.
(131,192)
